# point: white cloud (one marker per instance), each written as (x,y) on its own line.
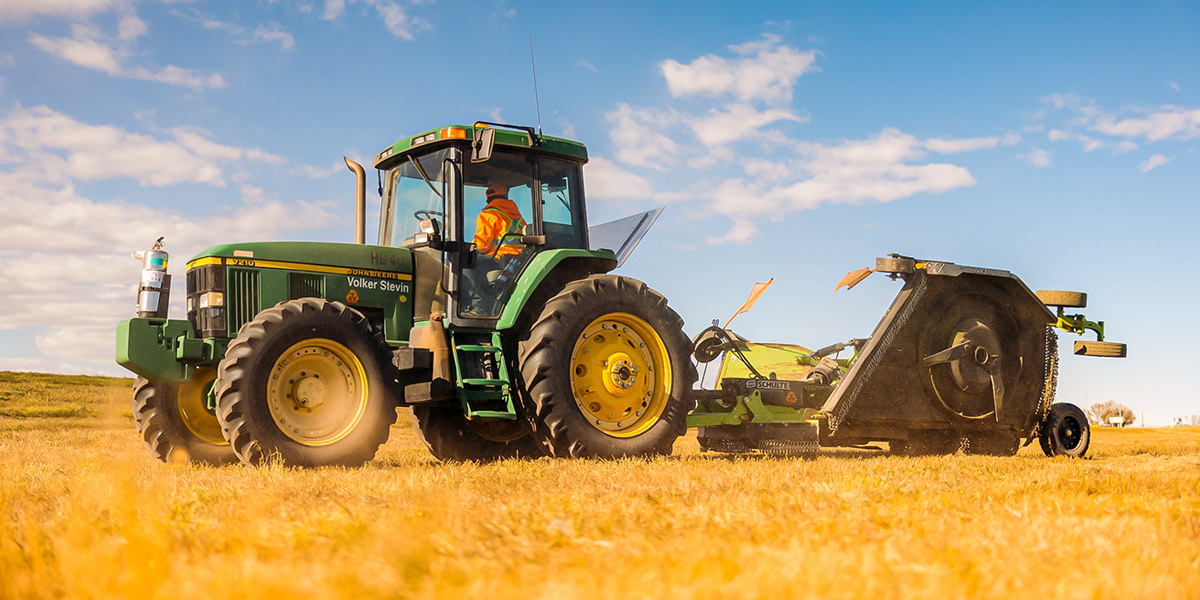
(779,175)
(767,72)
(1173,85)
(333,9)
(62,148)
(19,10)
(741,232)
(641,136)
(736,122)
(587,65)
(1124,146)
(64,263)
(83,49)
(131,27)
(1157,160)
(883,168)
(88,48)
(397,21)
(275,33)
(1089,143)
(1037,157)
(1167,122)
(606,180)
(952,146)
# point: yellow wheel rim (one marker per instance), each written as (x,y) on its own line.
(192,400)
(620,375)
(317,393)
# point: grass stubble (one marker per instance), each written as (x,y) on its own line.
(86,512)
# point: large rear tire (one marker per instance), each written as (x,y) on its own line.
(606,372)
(1065,432)
(175,423)
(451,437)
(308,382)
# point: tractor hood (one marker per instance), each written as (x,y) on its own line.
(308,256)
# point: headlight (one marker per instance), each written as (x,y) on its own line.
(212,299)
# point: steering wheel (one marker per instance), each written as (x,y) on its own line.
(421,215)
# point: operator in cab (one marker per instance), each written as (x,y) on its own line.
(499,226)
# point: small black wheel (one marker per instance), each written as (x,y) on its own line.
(992,444)
(1065,432)
(1061,298)
(605,371)
(706,346)
(451,437)
(422,215)
(175,423)
(309,382)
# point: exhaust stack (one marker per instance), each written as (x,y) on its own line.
(360,201)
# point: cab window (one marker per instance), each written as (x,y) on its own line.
(562,221)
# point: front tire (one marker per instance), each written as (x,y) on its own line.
(606,371)
(175,423)
(1065,432)
(451,437)
(307,381)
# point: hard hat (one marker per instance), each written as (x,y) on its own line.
(497,190)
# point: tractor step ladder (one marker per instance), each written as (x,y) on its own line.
(482,398)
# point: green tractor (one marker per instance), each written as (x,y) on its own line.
(517,344)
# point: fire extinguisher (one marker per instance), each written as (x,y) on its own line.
(154,291)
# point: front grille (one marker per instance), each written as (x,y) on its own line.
(209,321)
(242,300)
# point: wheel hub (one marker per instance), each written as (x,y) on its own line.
(619,366)
(318,392)
(974,361)
(622,372)
(309,392)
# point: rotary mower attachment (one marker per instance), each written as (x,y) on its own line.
(965,358)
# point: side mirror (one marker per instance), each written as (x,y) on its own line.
(481,148)
(430,226)
(429,236)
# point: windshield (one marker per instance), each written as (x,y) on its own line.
(407,199)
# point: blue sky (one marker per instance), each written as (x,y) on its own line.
(789,140)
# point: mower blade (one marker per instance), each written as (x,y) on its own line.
(950,354)
(997,384)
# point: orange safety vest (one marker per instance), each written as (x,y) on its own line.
(499,218)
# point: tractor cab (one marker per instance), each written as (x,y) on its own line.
(479,204)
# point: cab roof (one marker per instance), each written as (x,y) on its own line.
(504,137)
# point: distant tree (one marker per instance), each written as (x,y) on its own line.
(1101,413)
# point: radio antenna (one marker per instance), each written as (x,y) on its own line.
(536,103)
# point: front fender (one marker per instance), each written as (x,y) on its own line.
(541,267)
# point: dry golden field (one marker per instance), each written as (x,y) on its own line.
(86,512)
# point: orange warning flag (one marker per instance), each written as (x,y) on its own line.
(758,290)
(853,278)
